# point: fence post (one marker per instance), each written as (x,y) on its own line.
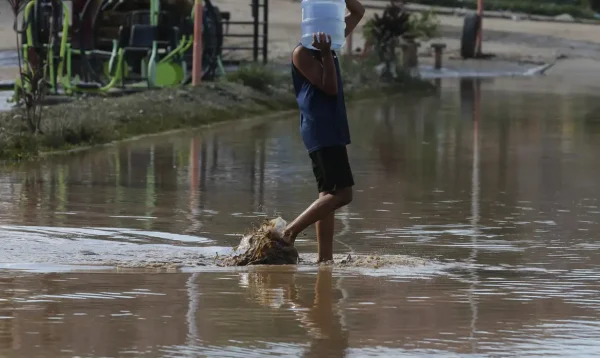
(265,45)
(478,49)
(438,48)
(255,14)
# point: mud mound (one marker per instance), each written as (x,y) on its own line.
(264,246)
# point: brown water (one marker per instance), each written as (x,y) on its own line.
(482,198)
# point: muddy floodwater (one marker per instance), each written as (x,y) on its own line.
(481,201)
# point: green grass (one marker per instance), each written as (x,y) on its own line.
(259,77)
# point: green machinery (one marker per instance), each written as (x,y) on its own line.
(100,45)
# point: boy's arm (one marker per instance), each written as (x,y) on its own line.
(322,75)
(357,11)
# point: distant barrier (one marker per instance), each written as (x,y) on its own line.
(259,35)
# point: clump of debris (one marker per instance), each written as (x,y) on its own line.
(264,245)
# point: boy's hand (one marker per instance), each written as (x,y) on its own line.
(321,42)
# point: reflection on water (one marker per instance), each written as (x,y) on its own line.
(268,312)
(318,315)
(500,187)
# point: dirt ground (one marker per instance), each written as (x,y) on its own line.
(578,45)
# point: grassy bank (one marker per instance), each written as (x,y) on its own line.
(249,92)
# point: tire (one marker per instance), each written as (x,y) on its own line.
(468,41)
(210,40)
(219,32)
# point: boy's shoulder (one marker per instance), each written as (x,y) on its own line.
(301,50)
(302,56)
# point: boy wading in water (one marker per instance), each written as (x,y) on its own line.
(324,130)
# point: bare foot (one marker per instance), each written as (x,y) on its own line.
(289,238)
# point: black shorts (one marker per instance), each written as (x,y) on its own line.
(332,169)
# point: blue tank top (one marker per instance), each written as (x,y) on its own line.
(323,119)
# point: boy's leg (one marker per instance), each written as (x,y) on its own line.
(319,210)
(325,229)
(334,179)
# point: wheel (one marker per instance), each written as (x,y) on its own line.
(468,42)
(219,32)
(212,40)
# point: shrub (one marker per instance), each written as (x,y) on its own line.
(32,85)
(357,71)
(256,76)
(424,25)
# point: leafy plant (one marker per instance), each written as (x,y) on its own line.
(31,86)
(424,25)
(357,72)
(394,22)
(383,32)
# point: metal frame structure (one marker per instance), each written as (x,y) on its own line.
(257,24)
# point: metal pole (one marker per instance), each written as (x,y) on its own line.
(265,30)
(480,30)
(255,17)
(154,12)
(197,51)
